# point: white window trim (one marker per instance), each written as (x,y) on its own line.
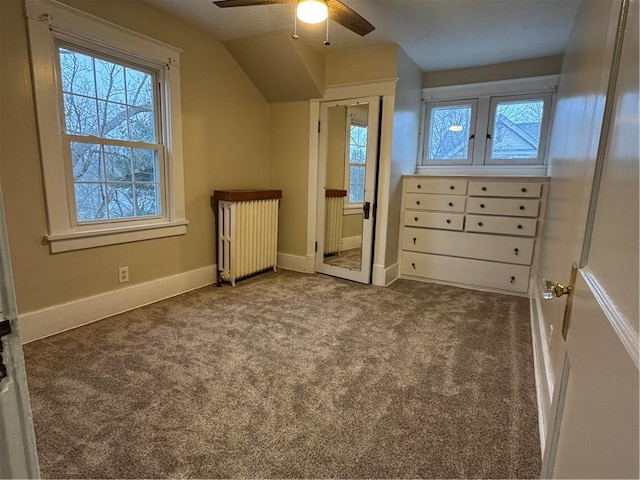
(483,91)
(48,20)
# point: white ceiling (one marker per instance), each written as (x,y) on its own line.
(436,34)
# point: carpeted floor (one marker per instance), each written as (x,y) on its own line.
(351,259)
(292,375)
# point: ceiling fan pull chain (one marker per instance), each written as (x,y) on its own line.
(326,41)
(295,22)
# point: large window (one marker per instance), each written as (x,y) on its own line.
(108,104)
(487,130)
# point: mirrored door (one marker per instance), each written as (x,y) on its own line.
(347,170)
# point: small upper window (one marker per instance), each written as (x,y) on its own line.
(356,156)
(488,130)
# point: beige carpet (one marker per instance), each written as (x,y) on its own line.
(292,375)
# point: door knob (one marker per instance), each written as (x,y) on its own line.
(550,289)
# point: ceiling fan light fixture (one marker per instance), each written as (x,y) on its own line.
(312,11)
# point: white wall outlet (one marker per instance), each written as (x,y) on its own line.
(123,274)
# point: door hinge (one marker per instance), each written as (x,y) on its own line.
(318,127)
(5,329)
(316,247)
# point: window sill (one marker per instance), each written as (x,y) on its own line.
(98,238)
(484,170)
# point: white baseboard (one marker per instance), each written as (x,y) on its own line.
(297,263)
(58,318)
(542,367)
(347,243)
(391,274)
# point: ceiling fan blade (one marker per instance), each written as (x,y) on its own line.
(247,3)
(346,17)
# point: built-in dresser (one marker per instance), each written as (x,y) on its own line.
(477,232)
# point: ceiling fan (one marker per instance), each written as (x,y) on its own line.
(335,9)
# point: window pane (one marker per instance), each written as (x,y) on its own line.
(141,125)
(90,201)
(118,163)
(81,116)
(356,184)
(139,90)
(449,131)
(145,165)
(516,129)
(87,162)
(120,200)
(77,73)
(110,81)
(147,199)
(113,120)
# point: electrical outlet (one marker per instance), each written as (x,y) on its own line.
(123,274)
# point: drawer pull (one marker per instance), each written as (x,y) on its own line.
(451,204)
(524,190)
(482,205)
(521,207)
(519,227)
(415,218)
(480,224)
(513,279)
(414,240)
(484,189)
(452,187)
(516,251)
(413,265)
(448,220)
(419,186)
(417,202)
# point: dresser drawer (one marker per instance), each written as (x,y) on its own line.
(506,225)
(469,245)
(505,189)
(503,276)
(503,206)
(426,201)
(436,185)
(447,221)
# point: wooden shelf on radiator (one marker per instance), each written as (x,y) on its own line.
(246,195)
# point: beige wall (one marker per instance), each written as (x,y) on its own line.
(289,164)
(225,122)
(491,73)
(404,148)
(362,66)
(351,225)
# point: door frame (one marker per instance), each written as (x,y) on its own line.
(385,89)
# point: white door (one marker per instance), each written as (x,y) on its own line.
(348,159)
(18,457)
(593,429)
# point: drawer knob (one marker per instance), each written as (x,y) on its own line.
(415,218)
(413,265)
(414,240)
(484,189)
(448,220)
(419,186)
(513,279)
(521,207)
(516,251)
(451,204)
(519,227)
(417,202)
(452,187)
(480,224)
(482,205)
(524,190)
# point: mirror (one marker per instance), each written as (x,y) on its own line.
(345,205)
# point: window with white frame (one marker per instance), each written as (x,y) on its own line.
(486,130)
(108,105)
(355,157)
